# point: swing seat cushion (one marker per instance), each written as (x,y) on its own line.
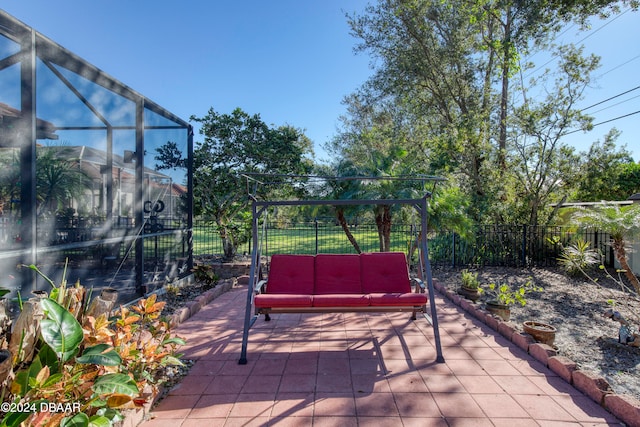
(337,274)
(341,282)
(291,274)
(385,272)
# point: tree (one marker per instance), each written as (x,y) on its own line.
(234,144)
(58,180)
(607,172)
(451,65)
(541,163)
(169,156)
(621,223)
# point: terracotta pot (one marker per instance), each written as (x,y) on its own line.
(502,310)
(469,293)
(541,332)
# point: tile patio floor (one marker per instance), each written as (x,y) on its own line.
(362,370)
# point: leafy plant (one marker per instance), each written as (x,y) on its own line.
(95,365)
(204,273)
(470,280)
(578,257)
(507,295)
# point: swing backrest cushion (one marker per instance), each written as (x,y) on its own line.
(337,274)
(384,272)
(291,274)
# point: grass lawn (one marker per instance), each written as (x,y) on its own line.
(305,240)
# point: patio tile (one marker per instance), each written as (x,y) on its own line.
(293,405)
(498,367)
(443,384)
(417,405)
(424,422)
(515,384)
(332,421)
(499,406)
(298,383)
(224,384)
(457,405)
(376,405)
(407,383)
(175,406)
(543,408)
(364,370)
(253,405)
(583,409)
(334,383)
(213,406)
(334,405)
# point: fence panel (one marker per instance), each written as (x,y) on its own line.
(490,245)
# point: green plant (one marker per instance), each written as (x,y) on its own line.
(204,273)
(508,295)
(86,369)
(470,280)
(578,257)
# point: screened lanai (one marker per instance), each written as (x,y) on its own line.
(93,175)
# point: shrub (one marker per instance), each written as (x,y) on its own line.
(84,369)
(578,258)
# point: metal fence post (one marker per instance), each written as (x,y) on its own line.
(524,245)
(453,249)
(315,224)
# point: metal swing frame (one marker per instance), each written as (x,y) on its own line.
(258,208)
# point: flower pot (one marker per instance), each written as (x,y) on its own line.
(502,310)
(541,332)
(470,293)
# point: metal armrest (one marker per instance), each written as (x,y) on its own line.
(420,287)
(258,288)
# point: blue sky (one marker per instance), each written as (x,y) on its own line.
(291,61)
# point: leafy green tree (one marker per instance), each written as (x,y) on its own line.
(169,156)
(539,160)
(622,223)
(236,144)
(607,172)
(59,180)
(451,66)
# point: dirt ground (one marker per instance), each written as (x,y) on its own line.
(575,306)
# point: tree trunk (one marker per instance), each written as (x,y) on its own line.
(383,222)
(621,256)
(343,223)
(386,228)
(228,243)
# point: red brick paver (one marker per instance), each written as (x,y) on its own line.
(363,370)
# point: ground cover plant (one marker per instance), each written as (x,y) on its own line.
(74,364)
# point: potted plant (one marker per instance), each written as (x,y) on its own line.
(541,332)
(503,296)
(470,288)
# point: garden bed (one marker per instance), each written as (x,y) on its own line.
(575,307)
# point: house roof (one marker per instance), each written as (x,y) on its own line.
(8,118)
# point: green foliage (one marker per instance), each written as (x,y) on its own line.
(100,364)
(621,222)
(607,172)
(578,258)
(470,279)
(234,144)
(204,273)
(60,330)
(507,295)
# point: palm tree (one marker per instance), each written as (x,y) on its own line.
(621,223)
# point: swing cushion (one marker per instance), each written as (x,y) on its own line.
(291,274)
(344,281)
(337,274)
(384,272)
